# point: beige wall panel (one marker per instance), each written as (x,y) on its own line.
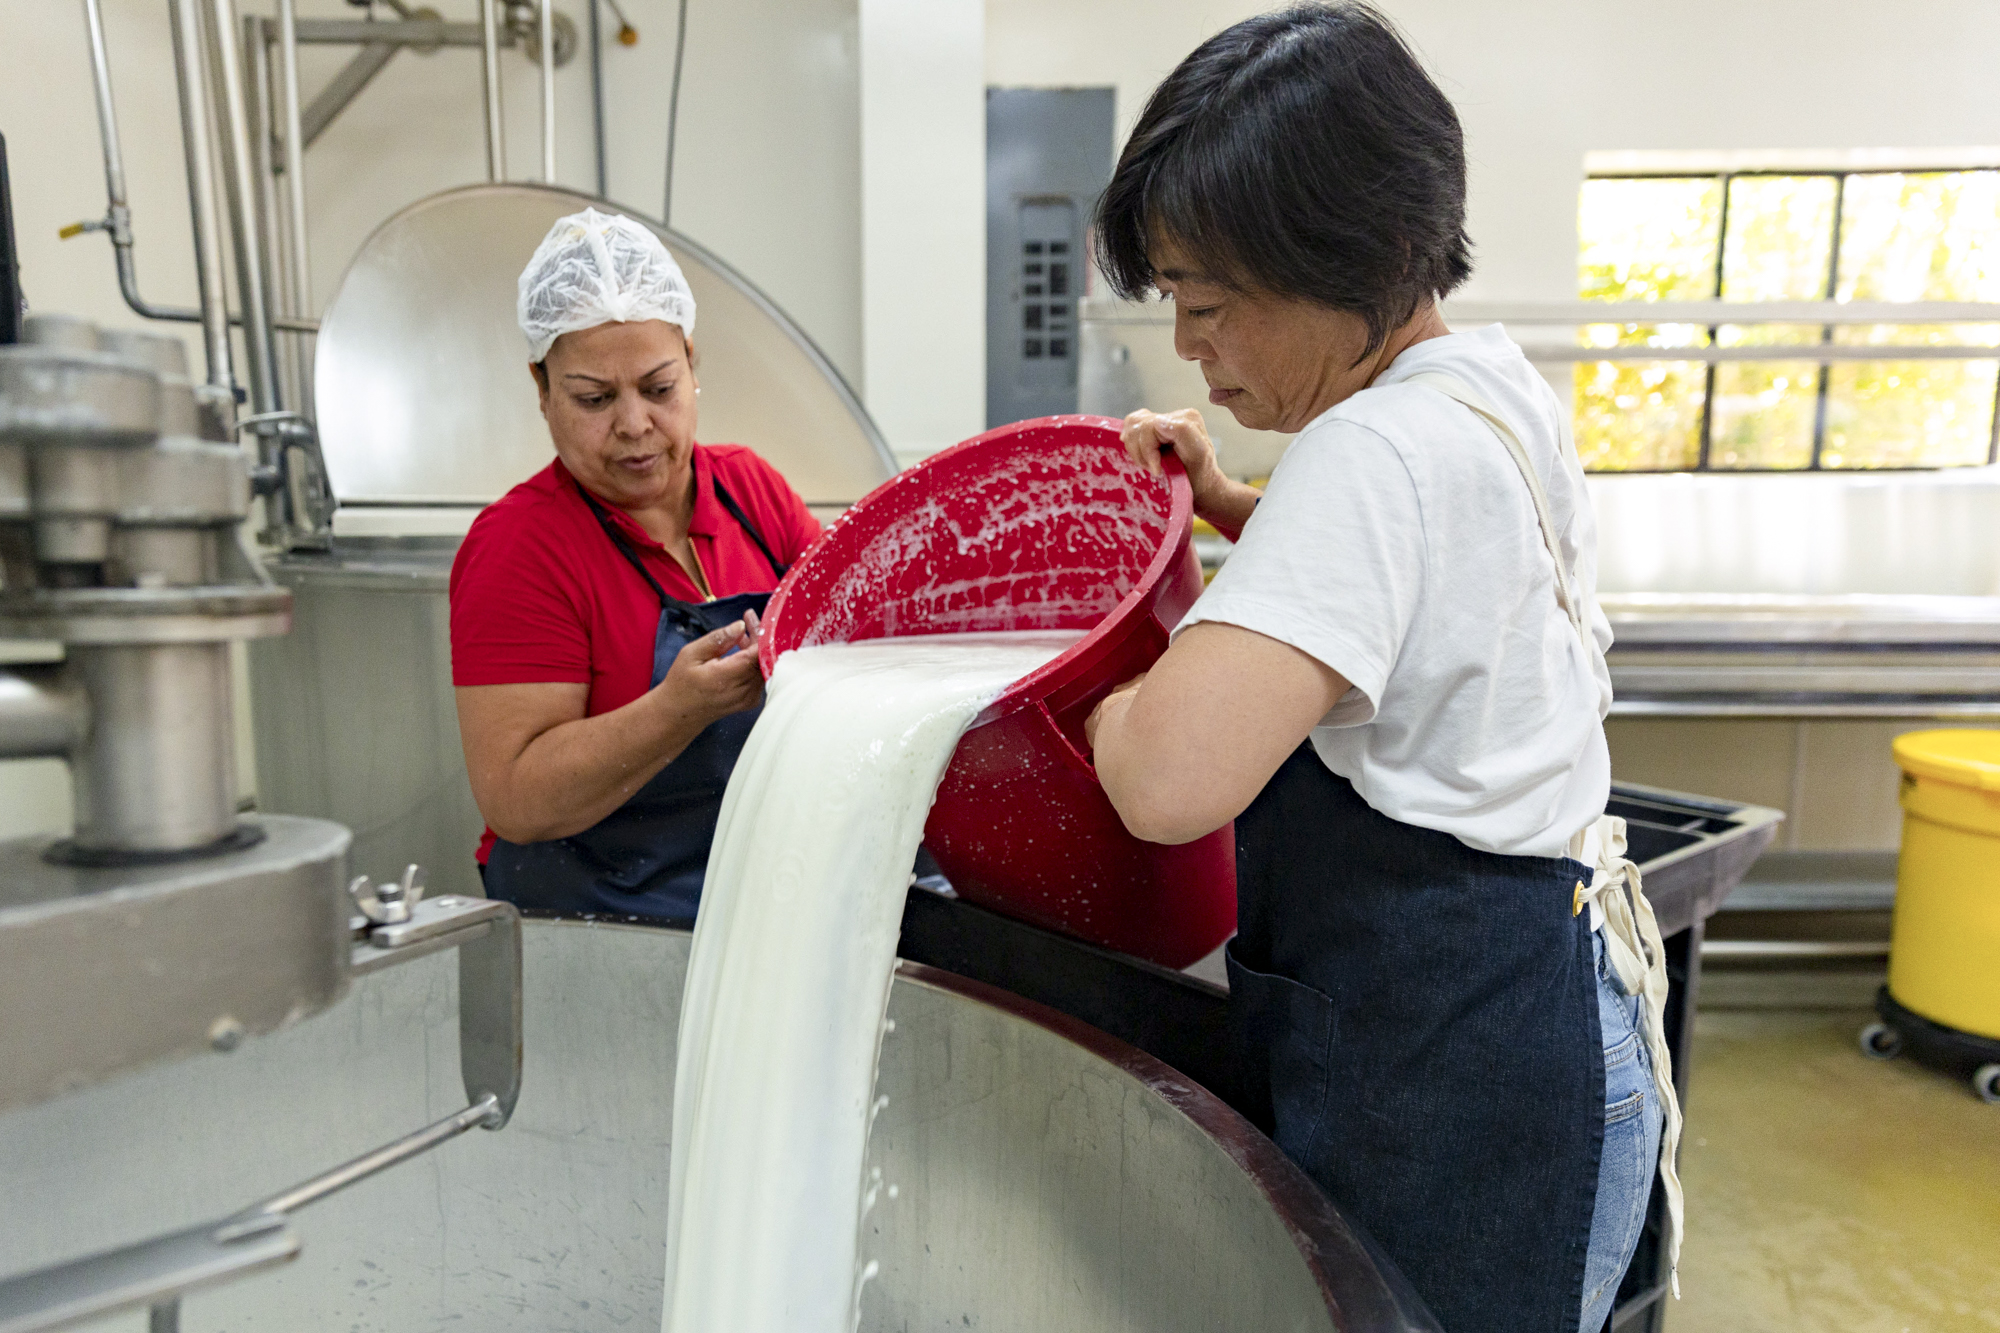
(1847,798)
(1835,779)
(1736,760)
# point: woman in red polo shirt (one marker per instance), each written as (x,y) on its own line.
(602,611)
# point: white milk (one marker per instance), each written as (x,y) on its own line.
(782,1017)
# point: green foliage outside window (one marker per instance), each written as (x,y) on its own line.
(1901,237)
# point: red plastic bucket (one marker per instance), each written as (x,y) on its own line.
(1042,525)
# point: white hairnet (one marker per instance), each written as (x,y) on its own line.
(599,268)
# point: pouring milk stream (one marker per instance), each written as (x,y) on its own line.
(787,986)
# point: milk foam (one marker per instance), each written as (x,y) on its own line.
(783,1013)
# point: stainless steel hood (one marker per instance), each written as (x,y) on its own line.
(422,381)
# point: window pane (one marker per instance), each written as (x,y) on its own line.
(1780,238)
(1649,240)
(1638,416)
(1929,237)
(1645,240)
(1910,413)
(1915,237)
(1763,414)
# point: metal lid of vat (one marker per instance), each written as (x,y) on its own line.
(421,377)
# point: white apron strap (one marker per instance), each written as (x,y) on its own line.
(1632,942)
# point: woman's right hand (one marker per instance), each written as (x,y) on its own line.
(717,674)
(1148,435)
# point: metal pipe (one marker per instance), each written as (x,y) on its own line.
(295,169)
(344,87)
(366,1165)
(1758,950)
(157,771)
(1809,353)
(117,214)
(489,87)
(1718,312)
(188,77)
(42,713)
(548,34)
(241,191)
(259,97)
(597,96)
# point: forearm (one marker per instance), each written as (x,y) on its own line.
(1226,504)
(1152,785)
(1187,749)
(571,776)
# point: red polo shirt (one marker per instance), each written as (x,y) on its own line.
(539,593)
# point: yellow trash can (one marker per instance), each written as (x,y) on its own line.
(1943,997)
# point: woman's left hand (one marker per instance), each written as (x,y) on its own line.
(1116,701)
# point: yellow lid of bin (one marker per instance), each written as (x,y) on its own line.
(1965,758)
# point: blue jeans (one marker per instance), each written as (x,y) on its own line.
(1632,1115)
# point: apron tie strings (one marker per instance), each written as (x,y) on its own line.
(1638,958)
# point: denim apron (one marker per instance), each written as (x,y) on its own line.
(647,857)
(1417,1022)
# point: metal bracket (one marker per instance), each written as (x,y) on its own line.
(487,935)
(157,1272)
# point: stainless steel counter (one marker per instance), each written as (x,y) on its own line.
(1834,655)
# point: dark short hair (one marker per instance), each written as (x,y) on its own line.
(1304,153)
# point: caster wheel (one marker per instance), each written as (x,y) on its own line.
(1986,1082)
(1879,1041)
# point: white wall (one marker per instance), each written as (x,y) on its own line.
(923,192)
(1539,84)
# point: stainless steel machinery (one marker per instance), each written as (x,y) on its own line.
(168,925)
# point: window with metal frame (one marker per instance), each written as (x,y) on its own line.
(1789,395)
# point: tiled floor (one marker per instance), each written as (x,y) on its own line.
(1828,1193)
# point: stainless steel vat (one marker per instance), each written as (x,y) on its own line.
(355,719)
(421,374)
(1049,1178)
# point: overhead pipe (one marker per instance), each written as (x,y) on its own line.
(489,87)
(192,85)
(117,220)
(239,180)
(294,157)
(260,103)
(548,35)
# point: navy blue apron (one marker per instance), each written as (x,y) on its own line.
(1417,1021)
(647,857)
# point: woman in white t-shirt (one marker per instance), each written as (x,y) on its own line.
(1384,686)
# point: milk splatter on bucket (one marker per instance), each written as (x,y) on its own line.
(788,982)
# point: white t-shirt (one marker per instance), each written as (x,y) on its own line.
(1397,544)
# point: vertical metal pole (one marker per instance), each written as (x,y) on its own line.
(257,54)
(597,96)
(489,87)
(188,72)
(548,30)
(107,115)
(299,289)
(241,187)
